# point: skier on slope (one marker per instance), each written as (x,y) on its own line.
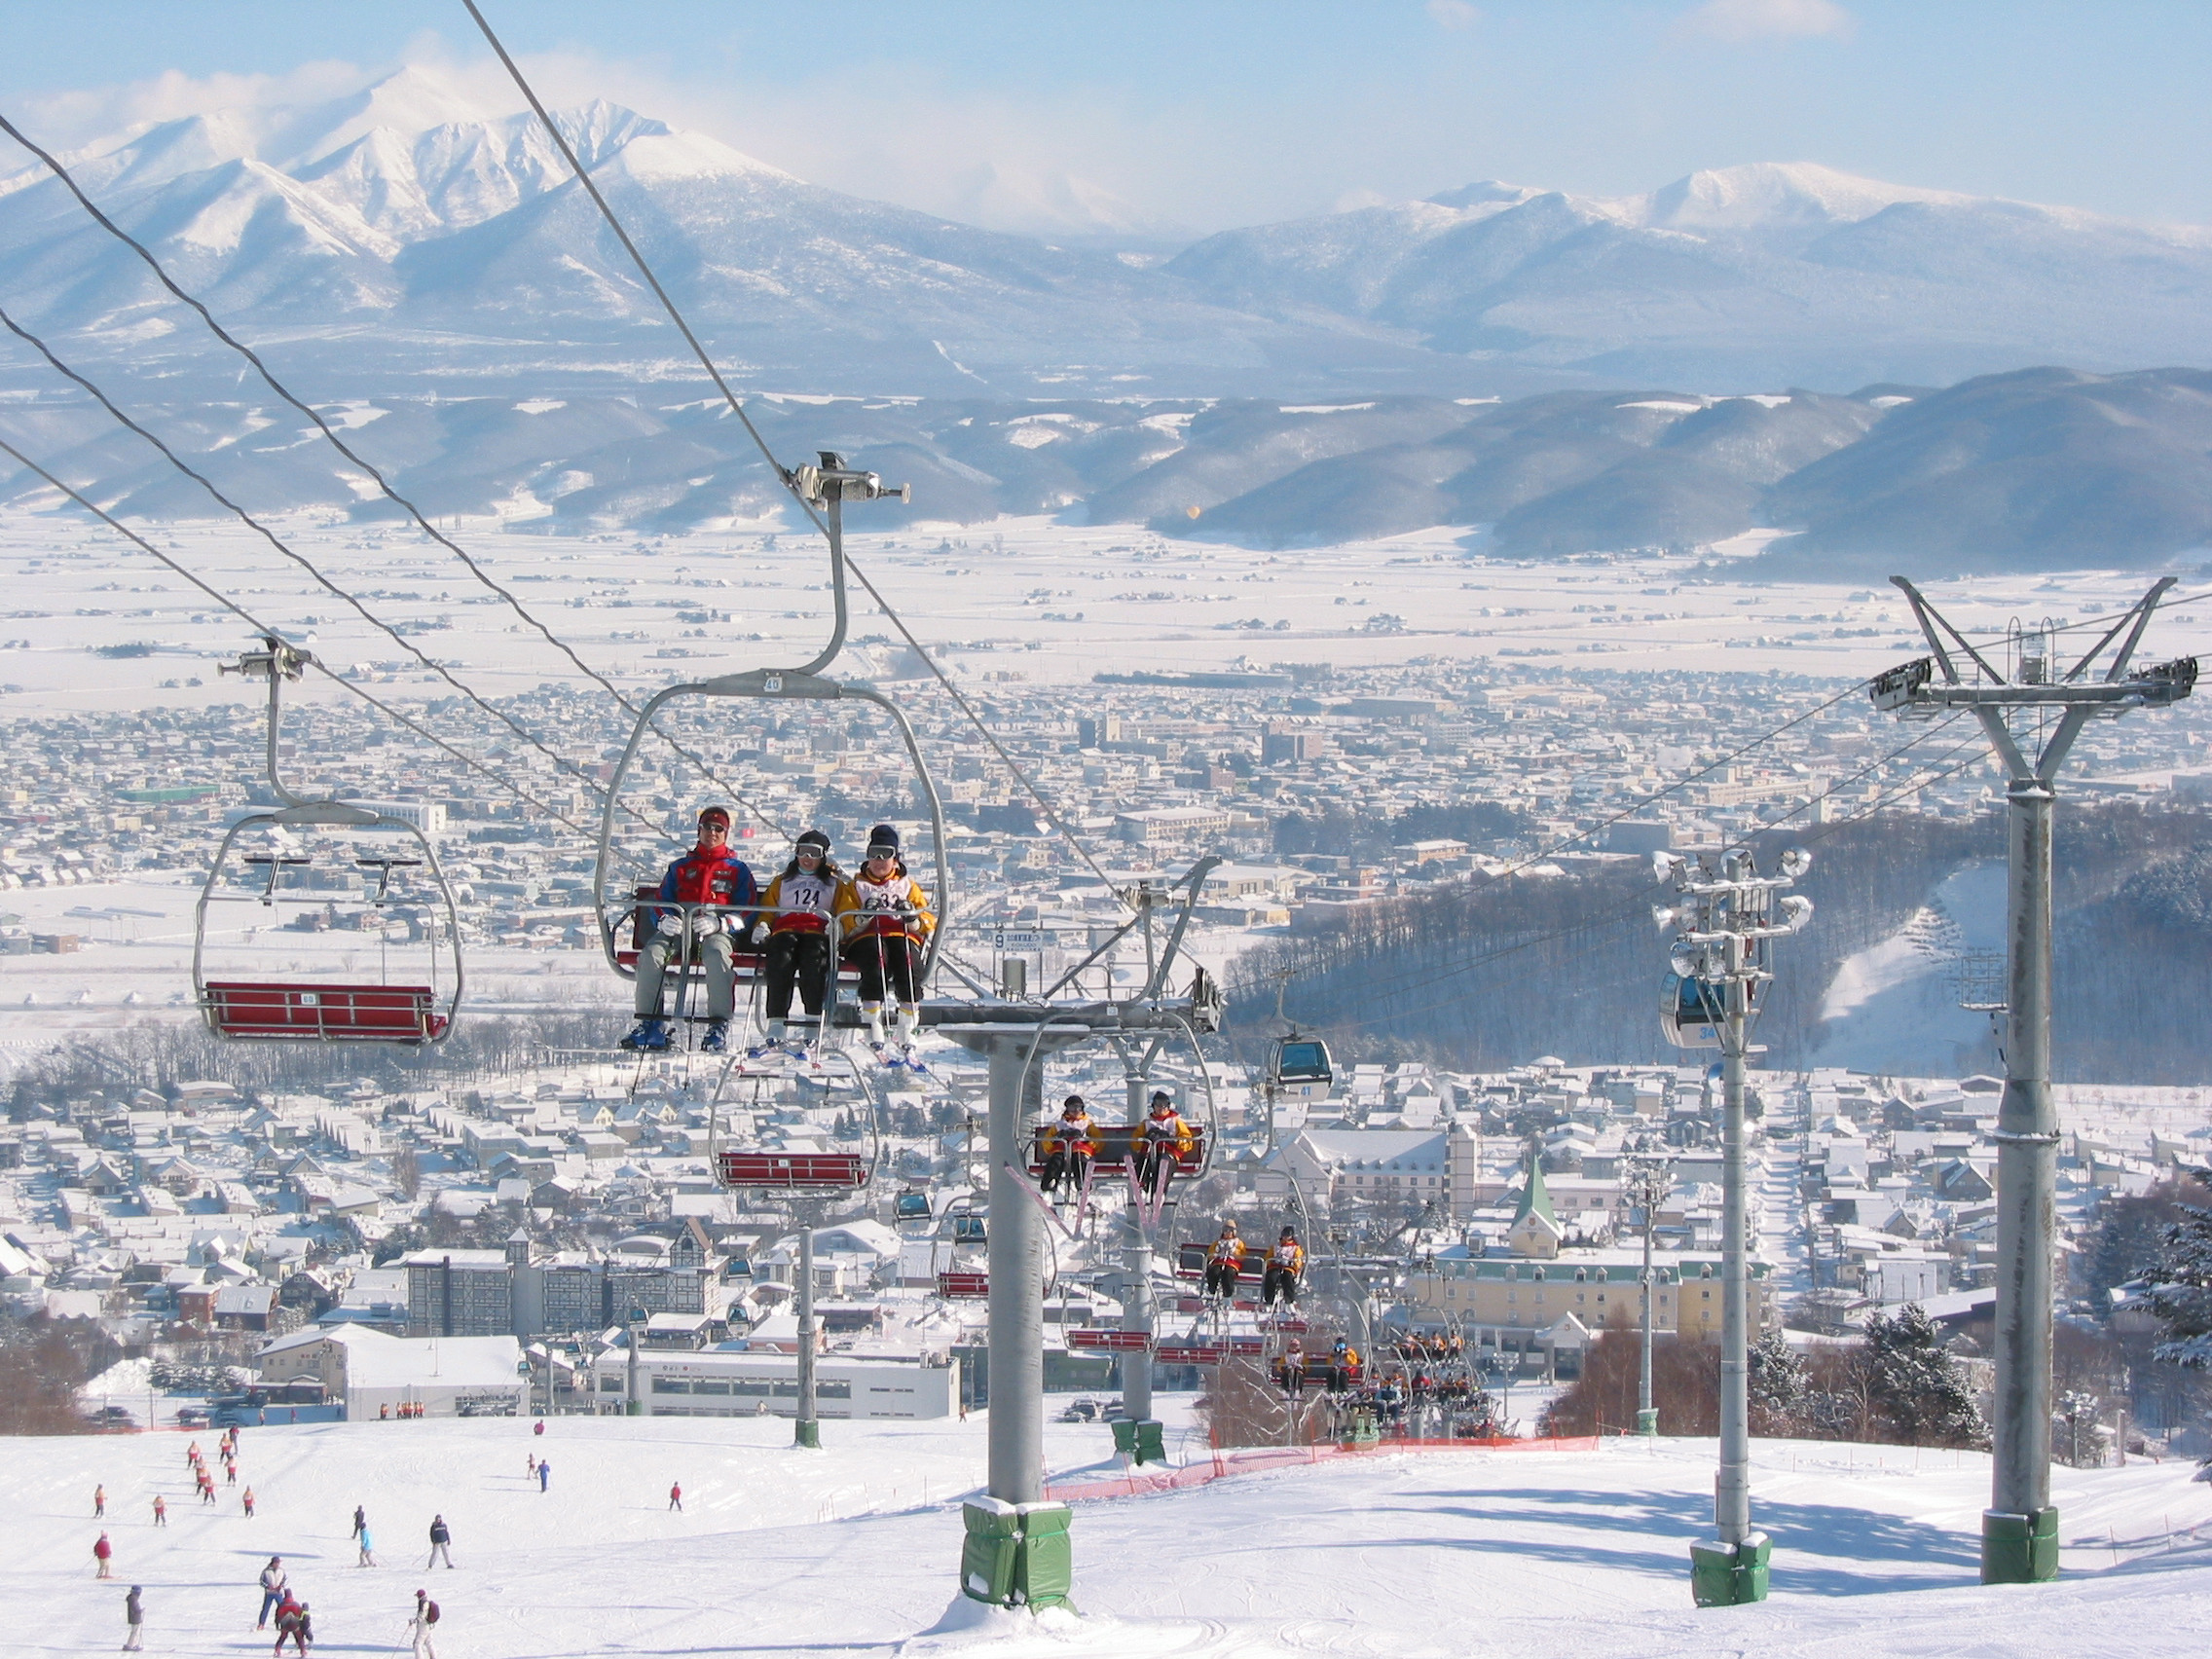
(675,1496)
(134,1620)
(802,902)
(1224,1259)
(709,874)
(419,1627)
(1068,1145)
(884,921)
(441,1543)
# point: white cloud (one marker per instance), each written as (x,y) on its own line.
(1740,21)
(1454,14)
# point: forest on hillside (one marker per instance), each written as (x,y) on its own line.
(1495,972)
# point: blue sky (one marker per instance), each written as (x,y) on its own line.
(1208,113)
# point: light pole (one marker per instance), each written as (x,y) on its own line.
(2019,1530)
(1648,1183)
(1722,928)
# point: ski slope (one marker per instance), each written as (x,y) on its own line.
(853,1549)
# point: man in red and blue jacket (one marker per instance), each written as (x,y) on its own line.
(709,874)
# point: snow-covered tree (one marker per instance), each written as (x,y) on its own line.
(1778,1386)
(1917,1392)
(2180,1293)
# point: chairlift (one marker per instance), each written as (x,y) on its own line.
(624,920)
(817,1173)
(321,1009)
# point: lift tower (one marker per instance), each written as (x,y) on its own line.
(2031,716)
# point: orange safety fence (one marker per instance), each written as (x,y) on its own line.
(1222,1463)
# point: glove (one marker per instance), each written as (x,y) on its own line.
(760,933)
(705,924)
(670,925)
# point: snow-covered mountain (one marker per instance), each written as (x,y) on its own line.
(403,236)
(1765,275)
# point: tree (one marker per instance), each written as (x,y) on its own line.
(2181,1292)
(1916,1389)
(1777,1386)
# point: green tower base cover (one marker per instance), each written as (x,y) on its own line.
(807,1432)
(1044,1570)
(2020,1549)
(1150,1441)
(1125,1436)
(1647,1421)
(1017,1554)
(987,1555)
(1723,1575)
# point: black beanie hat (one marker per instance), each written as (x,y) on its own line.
(884,837)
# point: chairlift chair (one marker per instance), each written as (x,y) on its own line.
(321,1009)
(827,486)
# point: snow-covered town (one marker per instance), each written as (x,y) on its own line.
(1052,847)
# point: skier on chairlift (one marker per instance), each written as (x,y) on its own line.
(885,920)
(799,903)
(1223,1260)
(1068,1146)
(709,874)
(1161,1139)
(1285,1263)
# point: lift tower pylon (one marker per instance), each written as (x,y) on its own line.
(2019,1530)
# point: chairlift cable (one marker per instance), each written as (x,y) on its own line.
(261,627)
(253,524)
(384,484)
(262,530)
(737,407)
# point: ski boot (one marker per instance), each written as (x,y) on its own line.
(649,1038)
(717,1038)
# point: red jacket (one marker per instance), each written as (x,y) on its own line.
(704,877)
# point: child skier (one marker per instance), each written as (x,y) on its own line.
(800,901)
(1223,1260)
(1285,1263)
(1068,1146)
(883,922)
(1161,1139)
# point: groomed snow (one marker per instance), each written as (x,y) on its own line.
(853,1549)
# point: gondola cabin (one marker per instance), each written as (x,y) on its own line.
(1300,1068)
(1691,1012)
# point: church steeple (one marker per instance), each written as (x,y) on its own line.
(1536,1228)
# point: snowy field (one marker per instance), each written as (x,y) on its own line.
(853,1549)
(1019,601)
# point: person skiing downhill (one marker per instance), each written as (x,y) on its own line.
(134,1620)
(1068,1145)
(708,874)
(885,918)
(419,1627)
(161,1510)
(104,1552)
(99,1504)
(441,1543)
(368,1548)
(1223,1260)
(675,1496)
(545,1473)
(360,1520)
(800,903)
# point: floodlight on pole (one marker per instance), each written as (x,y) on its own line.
(2019,1530)
(1728,918)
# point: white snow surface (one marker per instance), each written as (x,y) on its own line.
(854,1549)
